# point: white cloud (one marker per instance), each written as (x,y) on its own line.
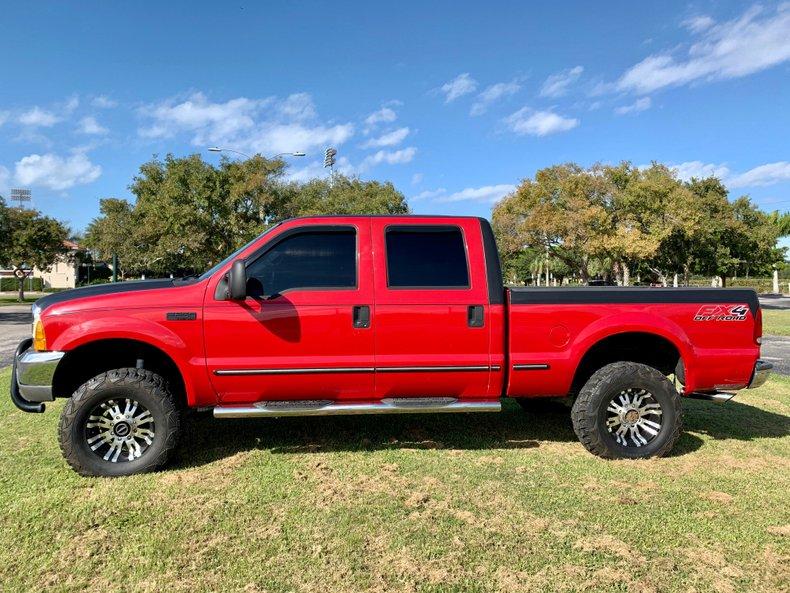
(268,126)
(493,93)
(383,115)
(37,117)
(389,139)
(417,178)
(699,170)
(428,194)
(4,115)
(103,102)
(525,121)
(89,125)
(557,84)
(271,138)
(487,193)
(755,41)
(298,106)
(71,104)
(396,157)
(461,85)
(56,172)
(762,175)
(641,104)
(699,23)
(767,174)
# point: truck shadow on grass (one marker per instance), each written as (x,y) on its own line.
(206,439)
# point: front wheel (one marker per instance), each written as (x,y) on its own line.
(119,423)
(627,410)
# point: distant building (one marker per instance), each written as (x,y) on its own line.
(64,273)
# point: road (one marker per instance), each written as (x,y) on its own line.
(15,323)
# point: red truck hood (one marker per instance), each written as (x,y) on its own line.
(100,290)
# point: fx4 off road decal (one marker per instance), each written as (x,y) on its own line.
(721,313)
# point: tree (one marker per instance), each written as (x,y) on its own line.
(5,230)
(112,234)
(34,240)
(189,214)
(563,211)
(341,195)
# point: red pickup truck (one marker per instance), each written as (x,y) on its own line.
(375,315)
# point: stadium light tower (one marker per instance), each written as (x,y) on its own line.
(20,195)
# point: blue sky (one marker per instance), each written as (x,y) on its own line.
(454,102)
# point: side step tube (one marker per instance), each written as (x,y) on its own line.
(720,397)
(417,405)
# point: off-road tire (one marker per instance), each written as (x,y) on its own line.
(150,390)
(589,410)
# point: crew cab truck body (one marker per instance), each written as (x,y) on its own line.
(390,314)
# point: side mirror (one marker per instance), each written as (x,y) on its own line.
(237,281)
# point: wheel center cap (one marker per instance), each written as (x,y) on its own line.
(631,416)
(122,429)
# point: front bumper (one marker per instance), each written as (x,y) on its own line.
(760,374)
(31,377)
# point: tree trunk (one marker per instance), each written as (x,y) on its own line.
(626,275)
(723,281)
(686,273)
(21,295)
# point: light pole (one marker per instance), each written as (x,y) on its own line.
(245,155)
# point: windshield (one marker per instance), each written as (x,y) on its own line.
(235,254)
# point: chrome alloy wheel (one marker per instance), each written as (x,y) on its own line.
(119,430)
(633,417)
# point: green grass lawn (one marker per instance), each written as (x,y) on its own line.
(776,322)
(494,502)
(5,301)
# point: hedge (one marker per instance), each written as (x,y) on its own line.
(12,284)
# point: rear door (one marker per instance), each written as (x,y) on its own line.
(431,317)
(304,330)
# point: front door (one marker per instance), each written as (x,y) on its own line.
(304,330)
(432,315)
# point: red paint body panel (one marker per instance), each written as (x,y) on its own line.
(714,353)
(314,329)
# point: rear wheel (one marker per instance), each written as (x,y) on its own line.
(119,423)
(627,410)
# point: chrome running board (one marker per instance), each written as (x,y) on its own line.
(719,397)
(395,405)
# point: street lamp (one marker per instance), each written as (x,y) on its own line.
(220,149)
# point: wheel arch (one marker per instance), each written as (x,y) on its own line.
(94,357)
(645,346)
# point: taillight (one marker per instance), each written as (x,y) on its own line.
(758,326)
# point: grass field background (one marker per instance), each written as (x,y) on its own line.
(493,502)
(776,322)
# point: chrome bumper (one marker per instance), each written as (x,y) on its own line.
(760,374)
(31,377)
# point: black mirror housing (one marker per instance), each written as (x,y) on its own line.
(237,281)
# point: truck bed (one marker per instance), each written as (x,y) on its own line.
(554,332)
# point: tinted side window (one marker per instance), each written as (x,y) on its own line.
(309,259)
(426,257)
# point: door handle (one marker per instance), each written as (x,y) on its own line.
(361,316)
(474,316)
